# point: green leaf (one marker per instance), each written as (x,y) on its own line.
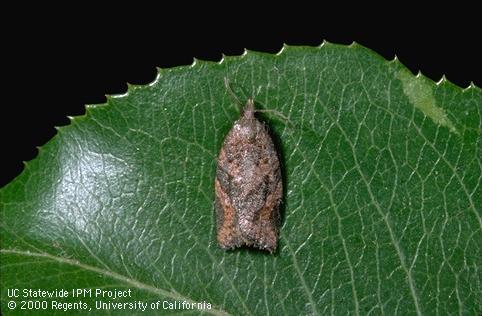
(382,201)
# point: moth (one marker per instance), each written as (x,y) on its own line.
(248,186)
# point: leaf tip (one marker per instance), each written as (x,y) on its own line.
(156,79)
(283,48)
(223,57)
(195,61)
(442,80)
(353,44)
(446,81)
(118,96)
(58,131)
(471,86)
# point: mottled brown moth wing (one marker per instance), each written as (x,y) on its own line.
(248,186)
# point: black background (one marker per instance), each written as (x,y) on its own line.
(57,64)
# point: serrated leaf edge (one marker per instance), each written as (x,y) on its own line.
(131,87)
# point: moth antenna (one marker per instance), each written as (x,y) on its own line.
(277,113)
(232,94)
(249,106)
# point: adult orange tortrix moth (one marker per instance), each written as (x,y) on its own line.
(248,185)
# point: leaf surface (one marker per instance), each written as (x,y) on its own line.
(381,211)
